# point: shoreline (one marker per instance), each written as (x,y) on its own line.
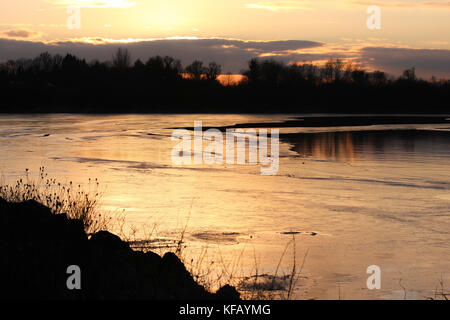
(311,121)
(41,250)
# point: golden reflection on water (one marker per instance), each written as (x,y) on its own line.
(327,145)
(363,205)
(353,146)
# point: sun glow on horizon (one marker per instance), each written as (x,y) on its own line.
(94,4)
(339,25)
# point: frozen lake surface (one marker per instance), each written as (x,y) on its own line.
(351,196)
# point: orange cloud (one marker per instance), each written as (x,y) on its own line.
(233,54)
(406,4)
(94,3)
(280,5)
(20,34)
(290,5)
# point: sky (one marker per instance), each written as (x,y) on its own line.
(411,32)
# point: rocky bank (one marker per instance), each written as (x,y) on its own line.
(37,247)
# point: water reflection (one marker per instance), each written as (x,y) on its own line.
(377,144)
(385,212)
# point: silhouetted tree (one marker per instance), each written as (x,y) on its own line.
(410,74)
(57,61)
(229,79)
(338,66)
(172,67)
(71,64)
(196,70)
(43,62)
(254,70)
(311,72)
(122,59)
(379,78)
(155,66)
(360,77)
(139,65)
(213,71)
(327,71)
(294,74)
(333,70)
(272,71)
(163,68)
(158,86)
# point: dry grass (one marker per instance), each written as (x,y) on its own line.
(440,292)
(76,201)
(83,202)
(213,271)
(280,285)
(210,269)
(180,242)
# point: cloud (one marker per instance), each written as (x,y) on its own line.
(20,34)
(94,3)
(427,62)
(406,4)
(290,5)
(232,54)
(280,5)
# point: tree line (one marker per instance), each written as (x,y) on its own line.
(55,83)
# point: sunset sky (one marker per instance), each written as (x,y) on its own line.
(413,33)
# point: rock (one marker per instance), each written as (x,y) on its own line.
(177,282)
(228,292)
(108,241)
(37,247)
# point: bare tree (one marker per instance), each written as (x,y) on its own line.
(122,59)
(338,67)
(43,62)
(213,71)
(379,78)
(253,73)
(410,74)
(328,70)
(196,70)
(172,66)
(229,79)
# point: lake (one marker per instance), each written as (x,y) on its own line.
(350,196)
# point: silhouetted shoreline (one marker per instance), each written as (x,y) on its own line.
(333,120)
(56,84)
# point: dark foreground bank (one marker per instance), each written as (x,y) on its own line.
(37,247)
